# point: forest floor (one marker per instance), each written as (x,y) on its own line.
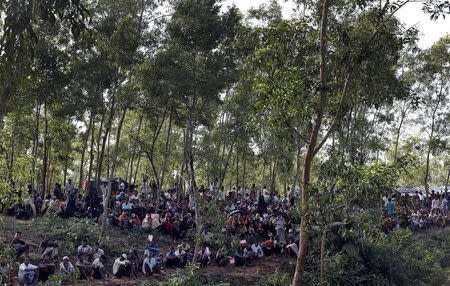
(122,240)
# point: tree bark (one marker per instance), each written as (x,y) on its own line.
(91,160)
(35,146)
(309,156)
(111,176)
(322,254)
(133,153)
(237,172)
(88,131)
(299,164)
(166,149)
(427,168)
(44,163)
(105,139)
(244,159)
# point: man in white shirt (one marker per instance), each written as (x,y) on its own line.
(181,254)
(97,252)
(122,267)
(149,265)
(66,268)
(98,267)
(27,272)
(127,206)
(105,189)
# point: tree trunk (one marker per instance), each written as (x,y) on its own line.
(427,168)
(322,254)
(35,146)
(111,176)
(273,178)
(262,180)
(133,153)
(66,161)
(446,181)
(166,149)
(44,163)
(237,172)
(244,159)
(48,168)
(99,139)
(224,171)
(137,169)
(91,160)
(86,139)
(309,156)
(127,169)
(299,164)
(11,157)
(192,123)
(105,138)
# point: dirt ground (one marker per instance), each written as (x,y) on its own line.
(238,275)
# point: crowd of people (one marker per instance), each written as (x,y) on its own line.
(261,220)
(416,211)
(264,226)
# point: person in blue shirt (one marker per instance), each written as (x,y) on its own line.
(172,260)
(239,258)
(153,248)
(390,207)
(249,254)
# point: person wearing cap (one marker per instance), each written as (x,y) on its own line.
(122,267)
(66,268)
(181,254)
(98,267)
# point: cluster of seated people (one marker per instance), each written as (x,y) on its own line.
(91,261)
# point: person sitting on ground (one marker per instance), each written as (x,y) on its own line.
(149,265)
(5,272)
(97,251)
(153,248)
(19,245)
(133,256)
(239,259)
(249,254)
(160,262)
(122,267)
(181,254)
(66,269)
(257,249)
(85,249)
(190,255)
(99,271)
(269,246)
(46,268)
(171,259)
(27,272)
(48,247)
(204,256)
(84,267)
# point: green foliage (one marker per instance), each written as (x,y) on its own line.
(69,233)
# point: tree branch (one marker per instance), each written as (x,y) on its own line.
(337,116)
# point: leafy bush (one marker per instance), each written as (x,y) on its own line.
(69,233)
